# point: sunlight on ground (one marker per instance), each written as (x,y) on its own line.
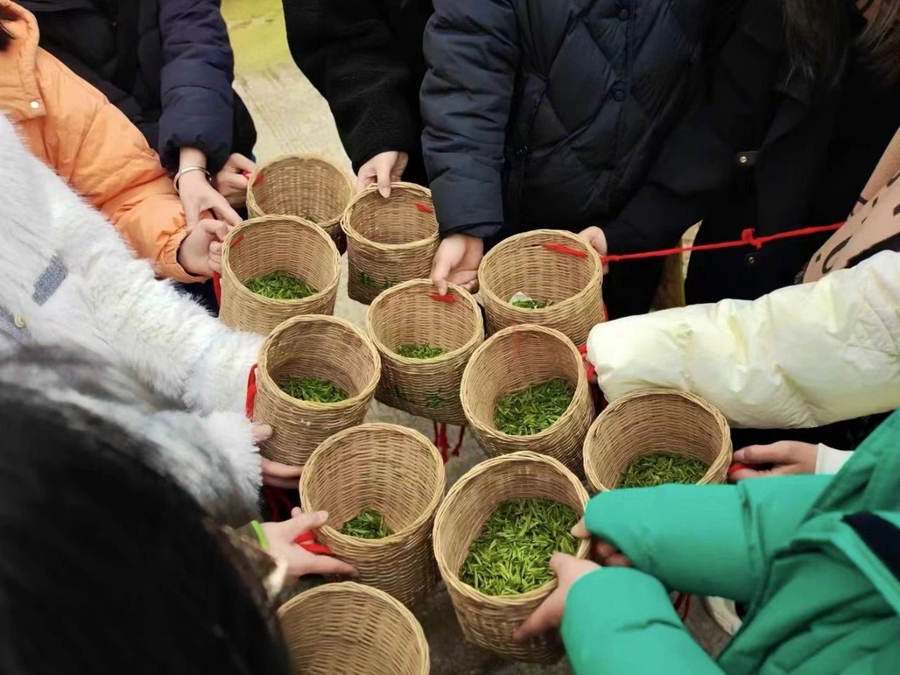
(256,28)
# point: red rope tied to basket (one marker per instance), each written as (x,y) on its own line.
(443,298)
(424,208)
(251,392)
(748,238)
(443,443)
(568,250)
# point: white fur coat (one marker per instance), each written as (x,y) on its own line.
(68,279)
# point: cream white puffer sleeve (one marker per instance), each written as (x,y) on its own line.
(803,356)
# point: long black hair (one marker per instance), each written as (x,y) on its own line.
(819,32)
(106,564)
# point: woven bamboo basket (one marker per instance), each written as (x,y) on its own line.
(656,420)
(352,629)
(513,359)
(395,471)
(411,313)
(547,265)
(312,346)
(308,186)
(276,244)
(389,241)
(490,621)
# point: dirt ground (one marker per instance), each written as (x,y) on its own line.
(291,117)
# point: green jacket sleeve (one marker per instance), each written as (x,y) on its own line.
(706,539)
(619,620)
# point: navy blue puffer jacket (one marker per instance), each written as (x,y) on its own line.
(548,113)
(166,64)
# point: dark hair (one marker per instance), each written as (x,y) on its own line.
(819,32)
(6,37)
(107,565)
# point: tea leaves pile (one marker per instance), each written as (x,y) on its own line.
(660,468)
(313,389)
(532,410)
(280,286)
(420,351)
(369,524)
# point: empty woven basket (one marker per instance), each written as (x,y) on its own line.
(389,241)
(276,244)
(352,629)
(323,347)
(412,314)
(652,421)
(514,359)
(395,471)
(490,621)
(301,185)
(547,266)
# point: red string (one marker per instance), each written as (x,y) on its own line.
(459,441)
(440,440)
(424,208)
(250,403)
(217,287)
(443,298)
(748,238)
(568,250)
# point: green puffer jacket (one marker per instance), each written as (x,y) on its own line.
(817,558)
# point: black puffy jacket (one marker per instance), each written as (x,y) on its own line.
(549,114)
(166,64)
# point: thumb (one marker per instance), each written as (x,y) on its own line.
(580,530)
(558,562)
(440,270)
(383,175)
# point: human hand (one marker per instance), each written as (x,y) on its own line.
(231,181)
(200,253)
(568,569)
(275,474)
(384,168)
(602,551)
(784,458)
(197,196)
(457,260)
(597,240)
(280,538)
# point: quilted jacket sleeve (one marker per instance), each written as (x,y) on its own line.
(195,82)
(472,51)
(803,356)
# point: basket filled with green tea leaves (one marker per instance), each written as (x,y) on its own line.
(316,376)
(425,341)
(389,241)
(656,437)
(494,536)
(352,629)
(275,268)
(381,485)
(525,388)
(551,278)
(305,185)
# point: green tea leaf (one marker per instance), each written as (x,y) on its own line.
(531,304)
(280,286)
(660,468)
(313,389)
(369,524)
(420,351)
(530,411)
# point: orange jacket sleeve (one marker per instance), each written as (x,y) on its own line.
(106,159)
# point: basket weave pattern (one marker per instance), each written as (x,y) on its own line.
(276,244)
(523,264)
(491,621)
(313,346)
(389,241)
(400,474)
(354,630)
(656,420)
(411,314)
(308,186)
(516,358)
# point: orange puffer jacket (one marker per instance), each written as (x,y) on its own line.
(74,129)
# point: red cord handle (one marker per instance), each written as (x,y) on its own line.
(217,287)
(737,466)
(424,208)
(443,298)
(251,392)
(568,250)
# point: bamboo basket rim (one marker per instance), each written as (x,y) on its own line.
(421,520)
(465,296)
(580,388)
(261,221)
(723,458)
(494,252)
(302,156)
(360,239)
(372,592)
(264,376)
(451,577)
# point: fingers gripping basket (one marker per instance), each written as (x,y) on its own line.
(651,421)
(412,314)
(316,346)
(512,360)
(276,244)
(490,621)
(395,471)
(389,240)
(354,630)
(548,266)
(301,185)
